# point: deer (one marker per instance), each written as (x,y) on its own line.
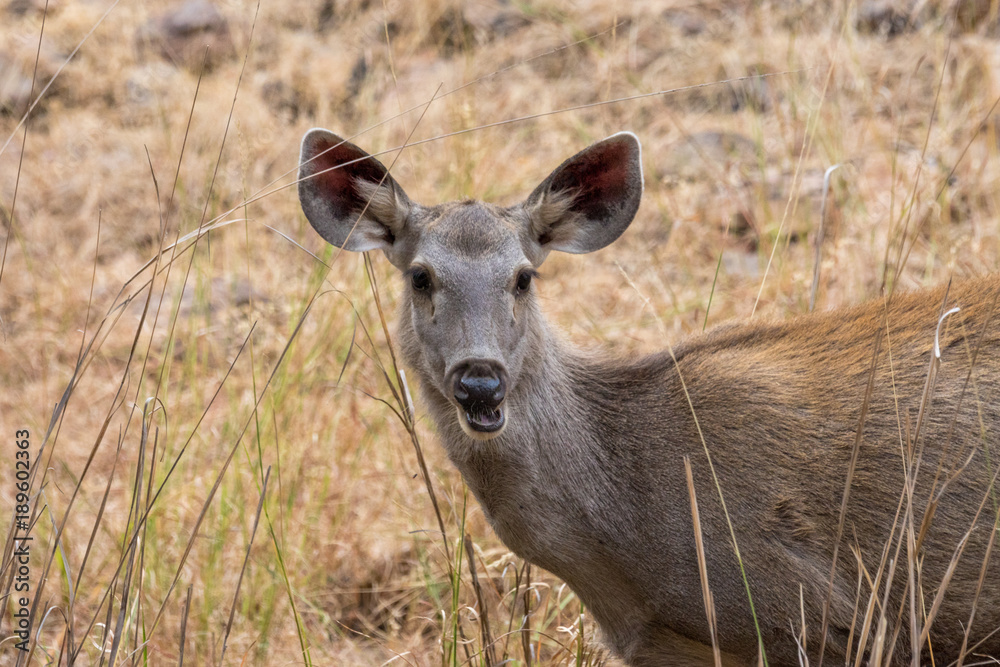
(874,429)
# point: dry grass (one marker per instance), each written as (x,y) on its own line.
(264,349)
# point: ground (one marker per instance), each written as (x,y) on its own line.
(256,355)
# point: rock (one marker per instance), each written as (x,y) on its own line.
(145,88)
(220,296)
(886,17)
(704,155)
(15,89)
(359,73)
(326,17)
(182,33)
(289,100)
(494,20)
(147,84)
(23,7)
(972,14)
(733,92)
(741,263)
(895,17)
(687,21)
(752,93)
(16,67)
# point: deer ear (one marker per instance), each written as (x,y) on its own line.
(590,199)
(348,196)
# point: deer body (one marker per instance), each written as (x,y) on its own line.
(577,458)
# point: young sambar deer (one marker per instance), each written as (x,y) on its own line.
(577,457)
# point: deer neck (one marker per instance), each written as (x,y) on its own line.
(566,434)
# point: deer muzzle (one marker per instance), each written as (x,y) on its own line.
(479,387)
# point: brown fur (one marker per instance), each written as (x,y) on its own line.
(586,479)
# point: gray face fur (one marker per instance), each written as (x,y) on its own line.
(468,266)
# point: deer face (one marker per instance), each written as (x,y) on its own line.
(469,267)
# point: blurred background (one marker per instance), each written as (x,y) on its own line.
(170,371)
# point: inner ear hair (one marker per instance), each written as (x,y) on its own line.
(552,209)
(384,204)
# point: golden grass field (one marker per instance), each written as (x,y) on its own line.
(169,380)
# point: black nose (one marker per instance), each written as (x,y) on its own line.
(479,384)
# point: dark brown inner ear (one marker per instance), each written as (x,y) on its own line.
(595,180)
(337,186)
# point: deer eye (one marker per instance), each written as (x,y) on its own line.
(523,282)
(420,280)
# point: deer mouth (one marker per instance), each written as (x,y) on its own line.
(484,419)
